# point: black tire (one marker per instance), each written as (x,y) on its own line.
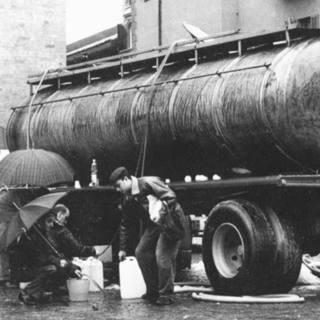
(186,241)
(288,255)
(238,248)
(184,256)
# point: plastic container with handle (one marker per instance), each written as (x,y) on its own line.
(132,285)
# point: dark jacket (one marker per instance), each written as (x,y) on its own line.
(64,243)
(173,220)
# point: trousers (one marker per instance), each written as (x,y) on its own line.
(47,278)
(156,255)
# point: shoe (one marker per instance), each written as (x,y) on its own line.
(163,301)
(47,297)
(60,291)
(26,299)
(150,297)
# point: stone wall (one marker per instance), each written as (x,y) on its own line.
(33,38)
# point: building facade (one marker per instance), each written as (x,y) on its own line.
(159,22)
(33,39)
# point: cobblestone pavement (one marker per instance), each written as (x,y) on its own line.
(111,306)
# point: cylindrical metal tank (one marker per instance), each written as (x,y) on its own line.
(266,119)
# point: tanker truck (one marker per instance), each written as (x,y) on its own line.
(241,107)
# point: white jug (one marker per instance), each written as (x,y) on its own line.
(96,274)
(91,269)
(132,284)
(84,265)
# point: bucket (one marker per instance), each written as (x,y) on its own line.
(91,269)
(132,285)
(78,289)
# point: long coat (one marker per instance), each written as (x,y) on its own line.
(172,222)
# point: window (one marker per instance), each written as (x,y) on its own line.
(311,22)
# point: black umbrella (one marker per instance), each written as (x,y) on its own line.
(34,167)
(26,216)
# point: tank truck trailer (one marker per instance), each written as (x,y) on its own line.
(245,107)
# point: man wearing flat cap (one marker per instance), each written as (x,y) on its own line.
(165,226)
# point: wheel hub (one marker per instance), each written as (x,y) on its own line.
(228,250)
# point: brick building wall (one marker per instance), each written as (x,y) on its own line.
(212,16)
(33,38)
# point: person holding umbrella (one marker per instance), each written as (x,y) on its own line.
(53,246)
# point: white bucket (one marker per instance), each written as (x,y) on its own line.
(132,284)
(78,289)
(92,268)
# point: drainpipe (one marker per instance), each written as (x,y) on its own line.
(159,22)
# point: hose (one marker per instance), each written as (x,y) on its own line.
(272,298)
(95,283)
(143,149)
(30,105)
(192,283)
(182,289)
(114,237)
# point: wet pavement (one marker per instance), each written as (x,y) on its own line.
(111,306)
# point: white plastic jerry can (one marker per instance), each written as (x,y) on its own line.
(91,269)
(96,274)
(132,285)
(84,265)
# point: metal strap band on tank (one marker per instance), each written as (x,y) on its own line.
(265,79)
(30,105)
(104,99)
(262,106)
(219,132)
(133,105)
(32,121)
(39,107)
(173,98)
(279,147)
(220,136)
(68,136)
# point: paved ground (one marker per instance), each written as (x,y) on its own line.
(111,306)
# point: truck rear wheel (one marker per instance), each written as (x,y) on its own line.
(238,248)
(248,249)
